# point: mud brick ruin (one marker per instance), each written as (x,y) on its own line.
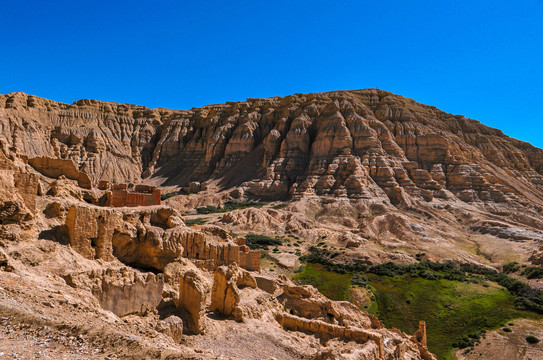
(120,195)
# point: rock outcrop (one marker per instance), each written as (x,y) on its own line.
(151,238)
(171,326)
(308,311)
(225,295)
(55,168)
(356,144)
(193,296)
(122,291)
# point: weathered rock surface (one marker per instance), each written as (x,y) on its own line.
(225,295)
(151,237)
(373,177)
(122,291)
(358,144)
(171,326)
(193,296)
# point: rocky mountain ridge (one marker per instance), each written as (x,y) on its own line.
(359,176)
(356,144)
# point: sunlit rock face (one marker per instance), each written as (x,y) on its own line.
(355,144)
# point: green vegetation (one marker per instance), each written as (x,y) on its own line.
(469,340)
(169,195)
(511,267)
(456,313)
(458,303)
(280,206)
(532,272)
(196,221)
(526,297)
(255,241)
(331,284)
(228,206)
(208,209)
(359,280)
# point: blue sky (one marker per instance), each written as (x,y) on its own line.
(482,59)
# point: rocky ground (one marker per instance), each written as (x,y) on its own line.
(366,175)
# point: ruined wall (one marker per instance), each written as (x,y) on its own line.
(249,259)
(90,231)
(122,291)
(121,196)
(151,238)
(192,299)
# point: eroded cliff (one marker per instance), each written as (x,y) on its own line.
(358,144)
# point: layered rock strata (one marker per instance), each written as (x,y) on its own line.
(356,144)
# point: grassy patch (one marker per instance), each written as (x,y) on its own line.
(196,221)
(229,206)
(255,241)
(457,312)
(453,310)
(331,284)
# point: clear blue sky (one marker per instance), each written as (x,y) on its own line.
(482,59)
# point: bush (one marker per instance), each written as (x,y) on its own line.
(468,340)
(511,267)
(532,339)
(169,195)
(359,279)
(533,272)
(196,221)
(228,206)
(506,329)
(255,241)
(234,205)
(209,209)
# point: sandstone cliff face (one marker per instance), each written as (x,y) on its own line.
(359,144)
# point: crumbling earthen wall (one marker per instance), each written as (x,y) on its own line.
(121,195)
(98,233)
(90,231)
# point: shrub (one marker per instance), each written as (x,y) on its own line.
(506,329)
(511,267)
(228,206)
(169,195)
(359,279)
(469,340)
(196,221)
(255,241)
(208,209)
(533,272)
(234,205)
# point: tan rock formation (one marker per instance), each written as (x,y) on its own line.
(122,291)
(171,326)
(307,302)
(359,144)
(225,295)
(192,300)
(54,168)
(151,237)
(91,230)
(420,335)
